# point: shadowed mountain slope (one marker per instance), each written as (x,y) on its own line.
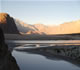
(7,24)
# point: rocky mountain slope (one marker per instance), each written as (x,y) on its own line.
(65,28)
(27,28)
(14,26)
(7,24)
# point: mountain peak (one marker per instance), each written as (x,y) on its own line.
(7,24)
(4,14)
(3,17)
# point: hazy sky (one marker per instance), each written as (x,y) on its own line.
(45,12)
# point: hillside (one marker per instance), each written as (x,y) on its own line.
(65,28)
(14,26)
(7,24)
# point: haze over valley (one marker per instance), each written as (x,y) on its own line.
(65,28)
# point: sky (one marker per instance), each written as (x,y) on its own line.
(48,12)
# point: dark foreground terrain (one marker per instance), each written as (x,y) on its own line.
(7,61)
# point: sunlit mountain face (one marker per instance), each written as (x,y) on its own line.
(65,28)
(7,24)
(10,25)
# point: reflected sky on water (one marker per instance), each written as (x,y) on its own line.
(40,60)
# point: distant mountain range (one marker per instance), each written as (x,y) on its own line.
(15,26)
(41,29)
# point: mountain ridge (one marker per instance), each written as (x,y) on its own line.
(65,28)
(11,25)
(7,24)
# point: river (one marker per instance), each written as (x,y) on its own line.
(48,58)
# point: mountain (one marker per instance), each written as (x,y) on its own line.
(41,29)
(70,27)
(14,26)
(23,27)
(27,28)
(7,24)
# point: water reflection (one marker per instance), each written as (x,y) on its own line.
(69,53)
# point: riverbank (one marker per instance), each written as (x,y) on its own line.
(41,37)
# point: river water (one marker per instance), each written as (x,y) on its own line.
(45,59)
